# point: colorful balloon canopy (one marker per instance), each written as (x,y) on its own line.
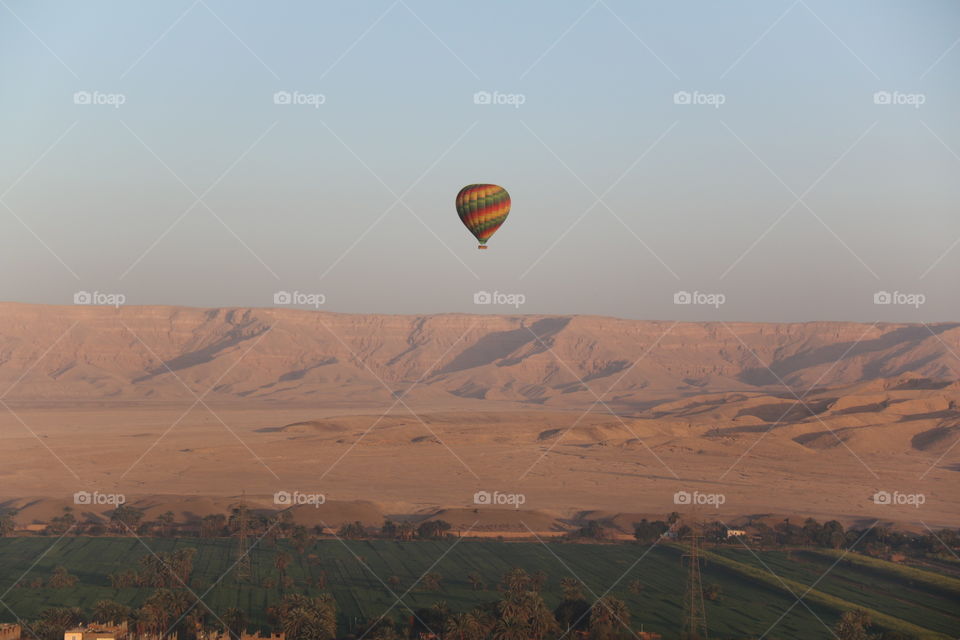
(483,209)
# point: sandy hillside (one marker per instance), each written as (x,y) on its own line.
(410,416)
(340,360)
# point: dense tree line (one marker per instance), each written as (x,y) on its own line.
(166,570)
(127,520)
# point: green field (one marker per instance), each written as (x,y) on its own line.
(752,601)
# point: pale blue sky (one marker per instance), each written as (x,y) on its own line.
(301,205)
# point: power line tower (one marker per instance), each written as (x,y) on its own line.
(243,555)
(694,612)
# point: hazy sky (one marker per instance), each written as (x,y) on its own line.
(788,189)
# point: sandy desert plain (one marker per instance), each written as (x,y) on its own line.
(185,409)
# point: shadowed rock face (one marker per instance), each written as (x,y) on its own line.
(79,353)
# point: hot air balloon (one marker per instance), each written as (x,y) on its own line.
(483,209)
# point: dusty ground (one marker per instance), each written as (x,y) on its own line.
(197,460)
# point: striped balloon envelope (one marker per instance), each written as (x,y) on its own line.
(483,208)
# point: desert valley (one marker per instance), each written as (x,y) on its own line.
(420,320)
(185,410)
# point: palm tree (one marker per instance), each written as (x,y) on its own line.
(431,581)
(7,524)
(64,617)
(510,629)
(211,526)
(165,523)
(406,531)
(181,564)
(125,519)
(475,581)
(539,579)
(571,589)
(111,612)
(281,561)
(542,620)
(61,578)
(389,529)
(327,613)
(606,615)
(234,622)
(304,618)
(572,614)
(165,610)
(853,626)
(301,539)
(195,621)
(136,623)
(523,610)
(516,580)
(462,626)
(383,629)
(485,621)
(298,624)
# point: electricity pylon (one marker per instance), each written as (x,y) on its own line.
(694,612)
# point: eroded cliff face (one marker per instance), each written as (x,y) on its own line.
(53,354)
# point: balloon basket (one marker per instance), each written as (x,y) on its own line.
(481,246)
